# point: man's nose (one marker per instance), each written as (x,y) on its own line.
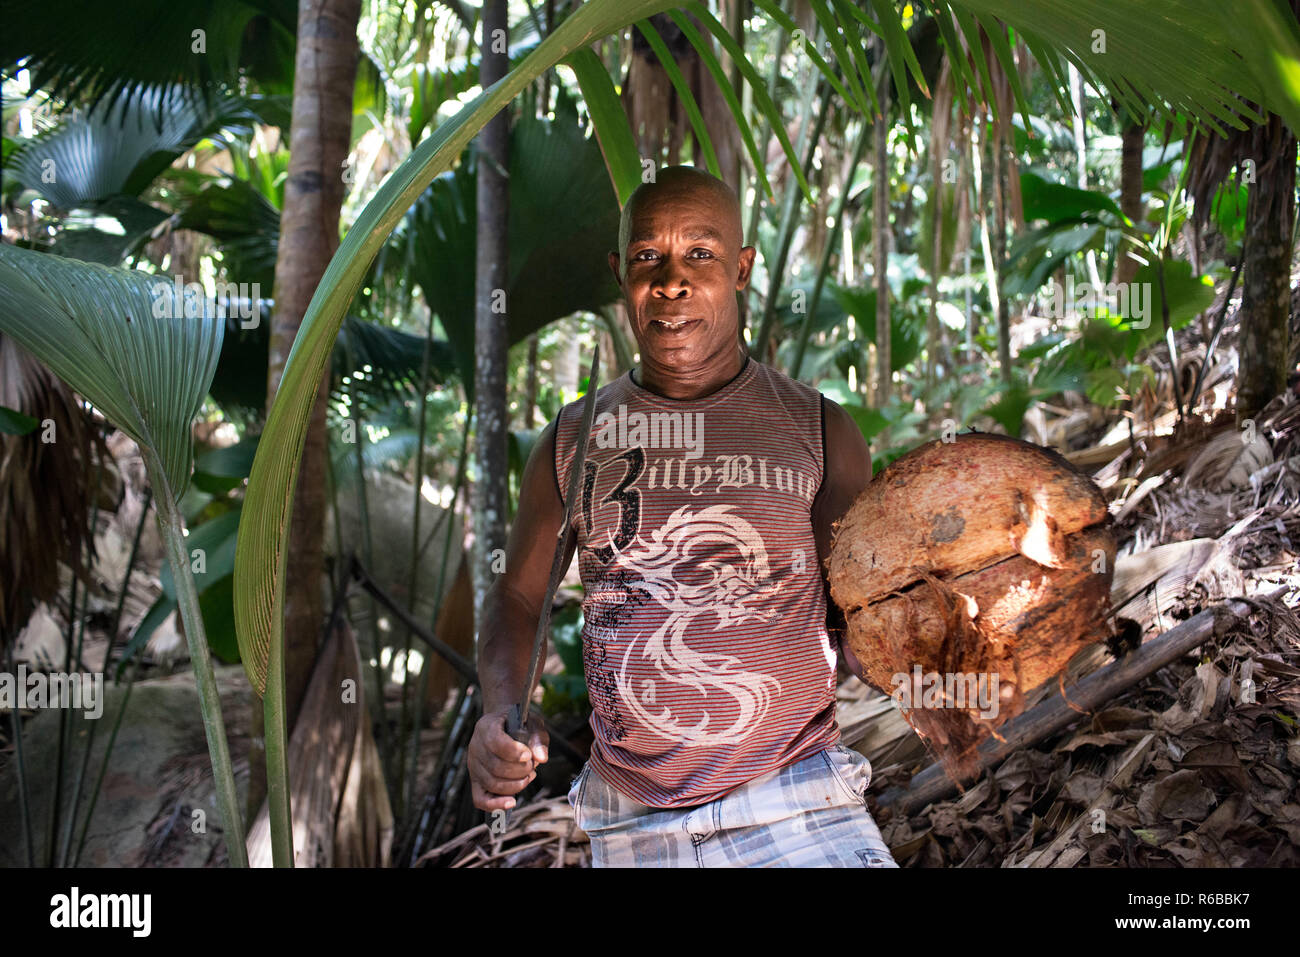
(671,283)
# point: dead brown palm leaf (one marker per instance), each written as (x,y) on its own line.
(45,486)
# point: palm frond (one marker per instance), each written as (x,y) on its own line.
(608,117)
(94,166)
(119,149)
(1173,54)
(242,221)
(89,52)
(384,366)
(120,338)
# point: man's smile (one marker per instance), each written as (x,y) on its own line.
(673,326)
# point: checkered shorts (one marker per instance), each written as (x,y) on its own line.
(812,813)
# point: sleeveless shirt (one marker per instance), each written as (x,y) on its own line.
(705,648)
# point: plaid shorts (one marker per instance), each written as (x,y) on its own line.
(812,813)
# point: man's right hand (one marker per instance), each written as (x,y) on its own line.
(499,766)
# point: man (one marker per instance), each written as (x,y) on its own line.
(705,518)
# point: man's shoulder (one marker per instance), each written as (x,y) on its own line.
(570,413)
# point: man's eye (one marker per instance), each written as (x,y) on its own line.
(703,252)
(644,254)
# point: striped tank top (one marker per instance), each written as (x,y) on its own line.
(705,647)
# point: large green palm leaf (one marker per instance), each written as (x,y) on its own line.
(96,328)
(143,352)
(90,157)
(100,162)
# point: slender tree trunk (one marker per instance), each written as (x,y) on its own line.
(1266,293)
(1081,154)
(491,337)
(321,134)
(997,231)
(941,114)
(1130,193)
(736,13)
(880,260)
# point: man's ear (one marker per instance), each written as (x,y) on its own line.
(613,265)
(746,266)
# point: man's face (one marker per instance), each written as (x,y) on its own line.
(684,266)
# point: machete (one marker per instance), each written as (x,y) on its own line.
(517,725)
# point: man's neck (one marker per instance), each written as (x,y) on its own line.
(682,386)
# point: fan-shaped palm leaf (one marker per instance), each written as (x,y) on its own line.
(244,223)
(563,219)
(123,340)
(97,329)
(118,149)
(101,161)
(88,51)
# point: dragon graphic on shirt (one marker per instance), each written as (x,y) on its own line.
(706,567)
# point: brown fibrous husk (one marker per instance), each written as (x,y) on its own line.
(983,556)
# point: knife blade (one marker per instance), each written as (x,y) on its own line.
(517,724)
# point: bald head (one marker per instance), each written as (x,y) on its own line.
(680,264)
(676,182)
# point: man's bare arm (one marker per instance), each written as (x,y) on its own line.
(500,766)
(847,470)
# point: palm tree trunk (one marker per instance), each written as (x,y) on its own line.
(491,338)
(1130,193)
(1266,294)
(321,133)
